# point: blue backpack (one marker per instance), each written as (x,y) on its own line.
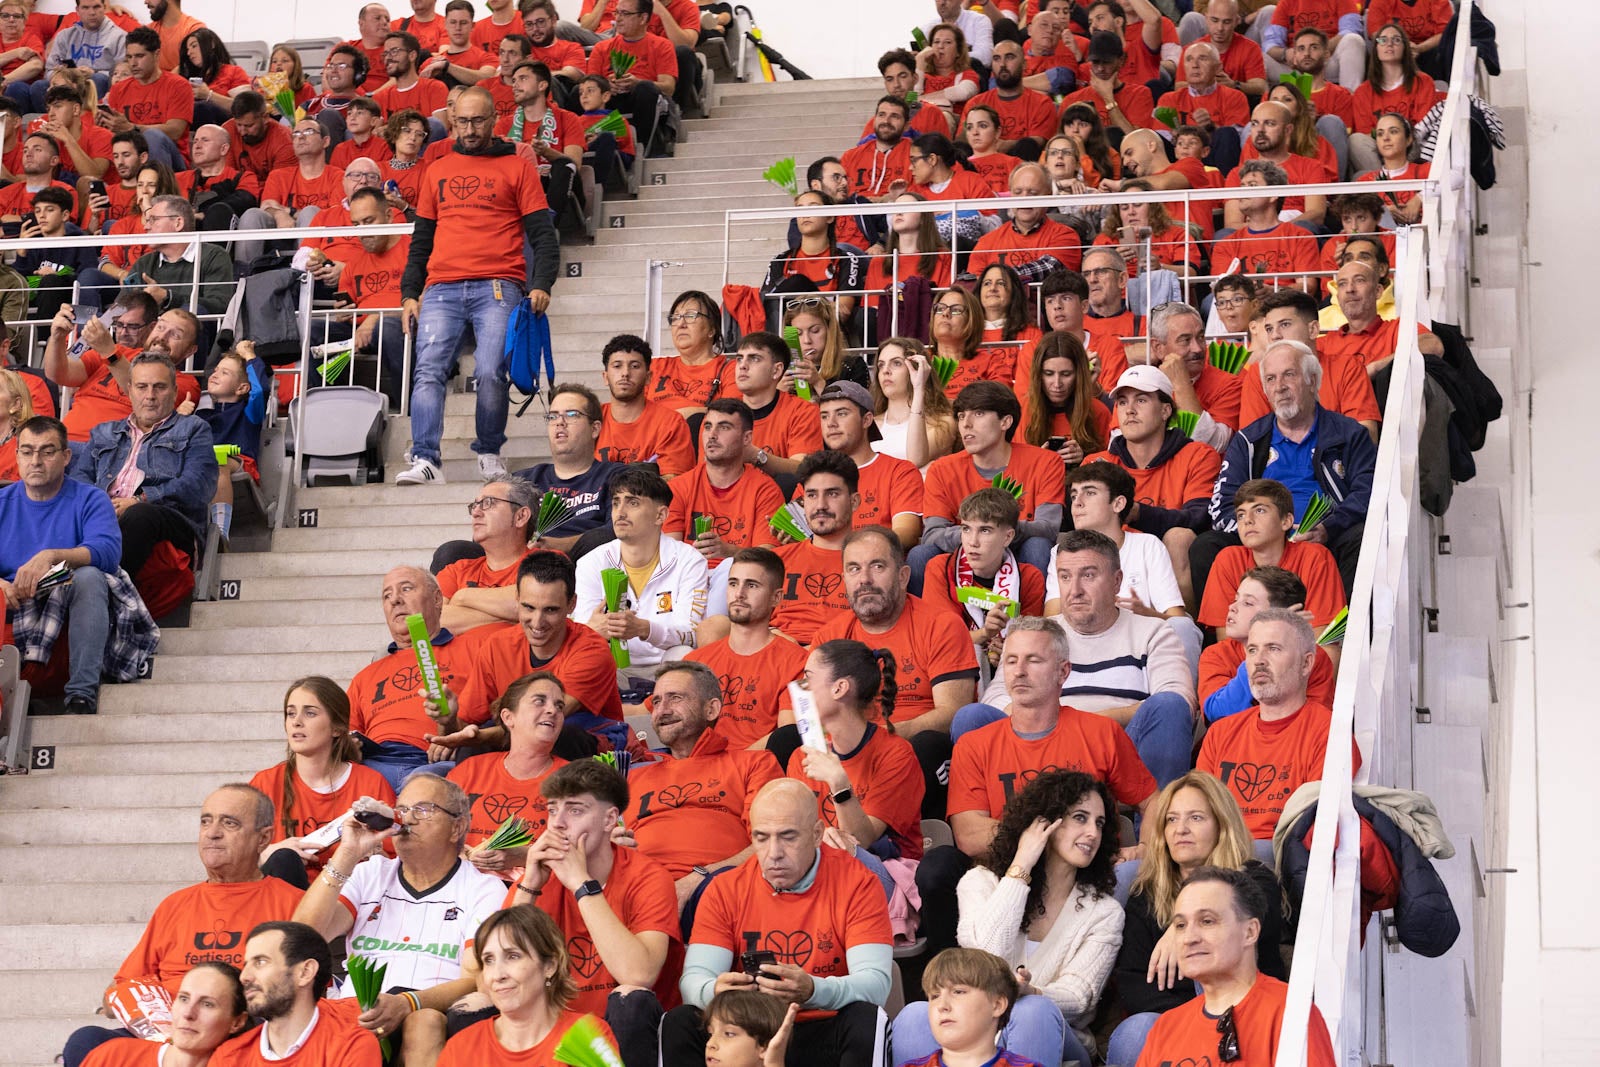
(528,347)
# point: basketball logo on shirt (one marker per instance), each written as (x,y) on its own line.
(1008,781)
(502,806)
(823,585)
(461,186)
(676,796)
(407,678)
(585,960)
(790,946)
(1249,780)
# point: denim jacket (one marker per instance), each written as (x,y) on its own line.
(179,464)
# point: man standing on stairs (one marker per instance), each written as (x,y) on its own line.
(208,921)
(481,210)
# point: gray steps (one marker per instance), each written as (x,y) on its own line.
(406,537)
(132,790)
(218,702)
(152,728)
(50,996)
(86,826)
(224,614)
(114,902)
(279,667)
(223,757)
(73,946)
(268,640)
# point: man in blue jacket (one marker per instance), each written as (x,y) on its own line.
(1306,447)
(157,466)
(47,519)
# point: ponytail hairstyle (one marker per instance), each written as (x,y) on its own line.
(870,672)
(333,701)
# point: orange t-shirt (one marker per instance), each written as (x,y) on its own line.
(275,150)
(477,1045)
(992,764)
(1030,113)
(653,56)
(583,663)
(427,96)
(1328,260)
(294,190)
(888,486)
(812,930)
(1133,100)
(887,781)
(1263,763)
(1172,245)
(681,386)
(1369,105)
(487,35)
(995,170)
(1220,662)
(1334,99)
(479,203)
(1345,389)
(168,97)
(1007,245)
(987,365)
(1189,475)
(313,810)
(337,1041)
(641,893)
(1378,341)
(739,512)
(205,923)
(930,646)
(495,795)
(409,179)
(813,589)
(1227,106)
(791,427)
(1302,170)
(386,695)
(373,278)
(130,1052)
(476,573)
(910,265)
(1285,249)
(1104,329)
(951,479)
(1219,394)
(697,810)
(659,434)
(871,171)
(1312,563)
(430,35)
(753,686)
(1188,1034)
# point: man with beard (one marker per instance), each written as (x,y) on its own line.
(937,665)
(406,86)
(873,166)
(1308,448)
(1275,254)
(813,590)
(555,134)
(1027,116)
(1336,113)
(634,428)
(1284,735)
(468,267)
(99,375)
(890,488)
(286,973)
(1270,128)
(899,70)
(1123,107)
(1031,243)
(564,58)
(171,26)
(414,914)
(256,144)
(129,153)
(830,177)
(1290,315)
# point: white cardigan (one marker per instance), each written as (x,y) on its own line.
(1073,961)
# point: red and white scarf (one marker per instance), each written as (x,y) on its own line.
(1007,583)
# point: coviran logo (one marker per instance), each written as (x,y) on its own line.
(378,944)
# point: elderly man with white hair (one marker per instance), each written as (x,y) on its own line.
(1309,449)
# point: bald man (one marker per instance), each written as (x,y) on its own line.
(1031,242)
(800,921)
(1367,335)
(1271,127)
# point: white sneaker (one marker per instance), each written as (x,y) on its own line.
(421,472)
(489,465)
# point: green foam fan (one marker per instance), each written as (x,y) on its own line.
(1299,79)
(586,1045)
(1229,356)
(613,123)
(1317,509)
(335,365)
(513,833)
(1167,116)
(911,98)
(622,62)
(786,522)
(782,175)
(614,580)
(366,980)
(1333,633)
(944,369)
(986,600)
(554,513)
(1010,485)
(225,453)
(1185,421)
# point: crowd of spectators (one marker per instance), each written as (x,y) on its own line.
(1043,572)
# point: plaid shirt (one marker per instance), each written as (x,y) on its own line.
(133,638)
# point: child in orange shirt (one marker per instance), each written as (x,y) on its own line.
(1264,510)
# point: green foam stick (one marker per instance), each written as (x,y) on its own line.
(622,62)
(366,981)
(1299,79)
(1333,633)
(1228,356)
(783,522)
(614,580)
(791,337)
(428,664)
(782,174)
(613,123)
(702,526)
(986,599)
(919,40)
(225,453)
(586,1045)
(1167,116)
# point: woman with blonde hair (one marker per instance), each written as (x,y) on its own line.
(1171,247)
(16,408)
(915,421)
(1061,400)
(823,356)
(1063,162)
(286,60)
(1193,823)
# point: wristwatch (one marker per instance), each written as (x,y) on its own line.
(844,796)
(1016,871)
(702,870)
(762,455)
(591,888)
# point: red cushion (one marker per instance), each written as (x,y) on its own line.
(166,580)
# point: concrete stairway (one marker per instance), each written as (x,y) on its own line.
(88,848)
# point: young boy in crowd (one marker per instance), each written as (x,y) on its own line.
(984,560)
(748,1029)
(592,94)
(1224,673)
(238,390)
(1193,142)
(970,996)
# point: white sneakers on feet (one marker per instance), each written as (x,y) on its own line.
(489,465)
(421,472)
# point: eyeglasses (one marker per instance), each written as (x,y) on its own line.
(685,317)
(621,14)
(1227,1044)
(425,811)
(1231,303)
(1091,271)
(8,16)
(958,311)
(484,503)
(47,452)
(570,415)
(338,66)
(923,158)
(306,133)
(1389,38)
(124,326)
(474,122)
(387,52)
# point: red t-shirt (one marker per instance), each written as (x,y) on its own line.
(1227,106)
(1312,563)
(1241,60)
(1285,249)
(1139,64)
(739,512)
(909,265)
(409,179)
(1369,103)
(653,57)
(475,573)
(487,35)
(243,181)
(95,142)
(681,386)
(373,279)
(1263,763)
(583,663)
(693,811)
(312,810)
(995,170)
(1345,389)
(16,199)
(556,55)
(427,96)
(430,35)
(1335,99)
(168,97)
(791,427)
(1296,15)
(659,434)
(1219,394)
(813,590)
(925,118)
(1420,19)
(479,203)
(567,129)
(1007,245)
(889,486)
(872,172)
(992,764)
(129,1052)
(386,697)
(207,923)
(1187,1034)
(1133,99)
(1189,475)
(27,40)
(1220,662)
(289,187)
(100,399)
(963,185)
(753,686)
(124,256)
(929,646)
(683,12)
(951,479)
(1028,114)
(276,150)
(1172,245)
(495,795)
(477,1045)
(1409,171)
(1378,341)
(119,198)
(887,781)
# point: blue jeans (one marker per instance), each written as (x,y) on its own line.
(164,150)
(1162,730)
(88,628)
(447,309)
(398,761)
(1127,1040)
(1036,1032)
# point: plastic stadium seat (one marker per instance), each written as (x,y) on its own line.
(14,695)
(251,56)
(936,832)
(345,439)
(643,727)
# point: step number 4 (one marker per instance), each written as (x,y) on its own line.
(43,758)
(618,221)
(228,589)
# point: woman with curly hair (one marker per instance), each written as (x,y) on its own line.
(1061,399)
(1193,823)
(1043,900)
(948,79)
